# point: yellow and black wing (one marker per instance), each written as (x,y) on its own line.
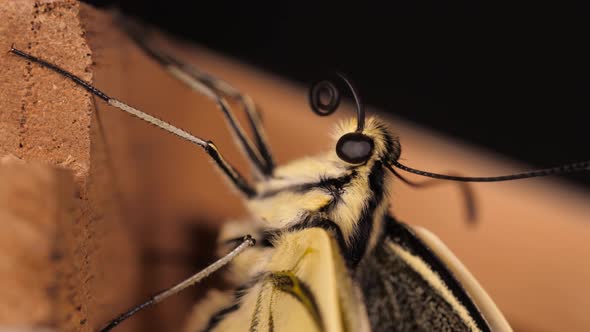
(412,282)
(305,287)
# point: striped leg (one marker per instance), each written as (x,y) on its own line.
(217,90)
(238,180)
(248,241)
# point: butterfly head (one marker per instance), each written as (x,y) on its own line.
(376,143)
(358,142)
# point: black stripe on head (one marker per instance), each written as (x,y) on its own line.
(354,252)
(333,185)
(360,239)
(393,146)
(390,142)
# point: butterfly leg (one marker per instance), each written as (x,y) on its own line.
(301,280)
(217,90)
(249,264)
(238,180)
(248,241)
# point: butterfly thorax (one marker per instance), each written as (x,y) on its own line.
(348,200)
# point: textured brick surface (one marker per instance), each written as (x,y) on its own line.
(63,235)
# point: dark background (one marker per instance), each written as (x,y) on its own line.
(513,78)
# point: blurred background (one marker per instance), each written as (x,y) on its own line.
(509,81)
(511,78)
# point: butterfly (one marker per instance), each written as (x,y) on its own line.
(322,251)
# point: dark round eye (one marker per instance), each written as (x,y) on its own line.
(354,148)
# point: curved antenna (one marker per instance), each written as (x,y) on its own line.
(466,192)
(562,169)
(320,88)
(360,110)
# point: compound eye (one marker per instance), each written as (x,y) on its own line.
(354,148)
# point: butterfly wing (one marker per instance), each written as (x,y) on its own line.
(410,283)
(305,287)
